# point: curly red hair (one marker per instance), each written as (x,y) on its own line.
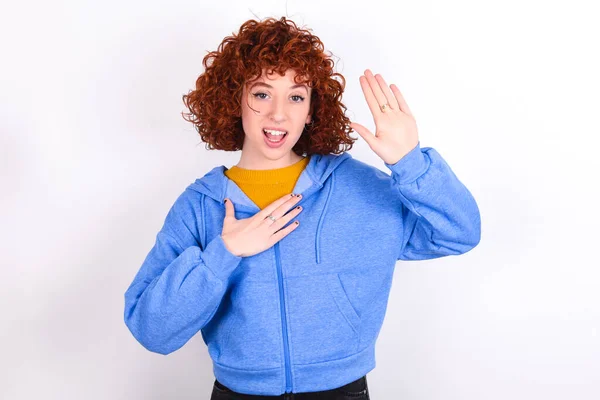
(274,45)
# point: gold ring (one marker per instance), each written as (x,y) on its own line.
(384,107)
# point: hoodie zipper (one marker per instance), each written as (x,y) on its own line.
(288,372)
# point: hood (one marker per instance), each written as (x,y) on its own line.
(216,185)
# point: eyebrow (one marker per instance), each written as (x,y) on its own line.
(271,87)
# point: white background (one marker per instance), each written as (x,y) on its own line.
(94,151)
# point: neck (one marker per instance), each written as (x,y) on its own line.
(262,163)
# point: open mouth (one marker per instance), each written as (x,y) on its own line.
(274,138)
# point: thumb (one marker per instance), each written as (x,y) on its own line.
(229,209)
(364,133)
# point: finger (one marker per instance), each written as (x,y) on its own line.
(277,236)
(370,97)
(262,214)
(364,133)
(376,89)
(401,102)
(283,220)
(280,211)
(391,99)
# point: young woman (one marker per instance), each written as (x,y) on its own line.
(284,261)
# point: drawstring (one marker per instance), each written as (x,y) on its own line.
(321,218)
(203,244)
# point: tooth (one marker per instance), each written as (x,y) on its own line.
(274,132)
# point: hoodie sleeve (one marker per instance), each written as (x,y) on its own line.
(179,285)
(440,215)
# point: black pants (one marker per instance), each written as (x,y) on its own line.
(357,390)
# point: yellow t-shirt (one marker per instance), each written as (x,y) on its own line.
(265,186)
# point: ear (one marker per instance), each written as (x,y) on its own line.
(308,119)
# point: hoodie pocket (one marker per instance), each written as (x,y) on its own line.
(341,298)
(323,323)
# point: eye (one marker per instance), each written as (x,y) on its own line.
(259,94)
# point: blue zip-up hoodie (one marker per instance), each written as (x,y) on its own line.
(303,315)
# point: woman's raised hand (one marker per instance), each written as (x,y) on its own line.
(249,236)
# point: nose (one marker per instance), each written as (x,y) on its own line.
(277,113)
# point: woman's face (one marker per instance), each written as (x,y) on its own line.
(280,104)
